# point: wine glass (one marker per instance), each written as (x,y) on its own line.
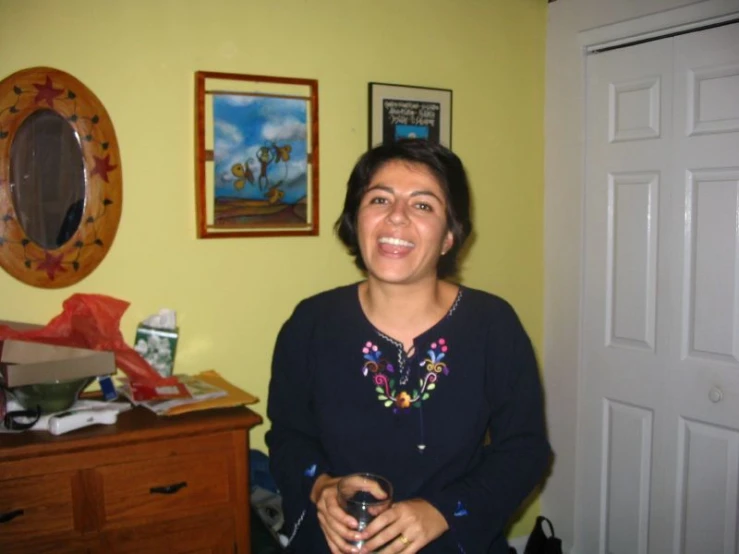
(364,496)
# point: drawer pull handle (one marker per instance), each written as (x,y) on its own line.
(4,518)
(169,489)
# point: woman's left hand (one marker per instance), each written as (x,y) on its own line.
(406,527)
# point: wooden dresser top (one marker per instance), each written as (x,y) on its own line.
(135,425)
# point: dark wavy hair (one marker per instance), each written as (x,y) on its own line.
(443,164)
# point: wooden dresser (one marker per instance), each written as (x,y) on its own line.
(147,484)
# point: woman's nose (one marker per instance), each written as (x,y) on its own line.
(398,215)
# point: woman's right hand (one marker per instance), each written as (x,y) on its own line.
(338,527)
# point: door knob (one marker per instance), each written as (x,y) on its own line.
(715,395)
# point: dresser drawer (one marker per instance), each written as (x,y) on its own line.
(166,487)
(36,505)
(202,534)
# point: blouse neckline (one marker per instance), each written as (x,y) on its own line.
(397,343)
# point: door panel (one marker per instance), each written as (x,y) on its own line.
(626,475)
(710,253)
(707,488)
(631,261)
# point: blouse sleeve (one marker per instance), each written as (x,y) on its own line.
(295,453)
(478,506)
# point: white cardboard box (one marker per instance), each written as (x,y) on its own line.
(26,363)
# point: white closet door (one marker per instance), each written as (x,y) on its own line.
(659,394)
(704,359)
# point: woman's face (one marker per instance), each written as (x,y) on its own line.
(401,224)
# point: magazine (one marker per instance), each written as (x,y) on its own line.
(196,389)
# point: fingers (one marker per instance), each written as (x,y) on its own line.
(388,540)
(402,544)
(406,527)
(384,529)
(337,539)
(338,527)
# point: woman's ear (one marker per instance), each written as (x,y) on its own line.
(448,242)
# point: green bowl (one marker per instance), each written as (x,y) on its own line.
(52,397)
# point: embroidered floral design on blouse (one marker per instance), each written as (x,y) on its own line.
(388,390)
(375,362)
(460,510)
(311,471)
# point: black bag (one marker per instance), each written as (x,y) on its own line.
(541,543)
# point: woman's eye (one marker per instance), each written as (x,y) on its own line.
(378,200)
(424,206)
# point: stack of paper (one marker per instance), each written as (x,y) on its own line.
(206,390)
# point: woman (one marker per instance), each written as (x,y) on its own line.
(405,374)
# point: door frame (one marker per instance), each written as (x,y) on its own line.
(685,18)
(682,19)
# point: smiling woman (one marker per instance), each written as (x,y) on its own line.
(404,374)
(60,178)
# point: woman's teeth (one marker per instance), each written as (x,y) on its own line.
(396,242)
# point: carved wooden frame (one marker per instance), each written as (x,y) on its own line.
(22,94)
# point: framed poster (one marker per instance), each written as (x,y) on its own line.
(256,155)
(401,111)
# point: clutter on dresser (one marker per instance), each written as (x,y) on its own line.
(207,390)
(88,321)
(44,370)
(82,413)
(156,341)
(29,363)
(48,378)
(204,391)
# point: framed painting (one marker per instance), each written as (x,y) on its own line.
(400,111)
(256,155)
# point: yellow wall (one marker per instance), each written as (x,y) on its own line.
(231,295)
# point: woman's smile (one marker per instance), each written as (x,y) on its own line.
(395,246)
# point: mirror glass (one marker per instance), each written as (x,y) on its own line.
(47,178)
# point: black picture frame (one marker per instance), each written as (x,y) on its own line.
(404,111)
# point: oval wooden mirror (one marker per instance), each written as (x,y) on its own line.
(60,178)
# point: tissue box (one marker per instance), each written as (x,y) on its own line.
(28,363)
(158,347)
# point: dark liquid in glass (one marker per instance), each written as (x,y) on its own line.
(360,506)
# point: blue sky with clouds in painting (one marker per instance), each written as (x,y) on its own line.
(243,124)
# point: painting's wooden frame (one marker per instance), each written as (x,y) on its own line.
(22,94)
(258,86)
(381,131)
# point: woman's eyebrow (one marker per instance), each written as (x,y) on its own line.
(426,193)
(391,190)
(382,187)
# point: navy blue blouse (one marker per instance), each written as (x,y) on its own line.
(345,398)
